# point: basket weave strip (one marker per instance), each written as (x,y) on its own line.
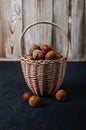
(60,76)
(43,78)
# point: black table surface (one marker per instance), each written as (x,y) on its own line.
(16,114)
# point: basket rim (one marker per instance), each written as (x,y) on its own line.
(43,61)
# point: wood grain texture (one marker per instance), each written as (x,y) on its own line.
(39,10)
(77,29)
(11,12)
(3,26)
(85,30)
(16,15)
(60,16)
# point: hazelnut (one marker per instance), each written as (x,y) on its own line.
(52,48)
(29,57)
(38,55)
(33,47)
(50,55)
(61,95)
(46,48)
(41,46)
(58,55)
(35,101)
(26,96)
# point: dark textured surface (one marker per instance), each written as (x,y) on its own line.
(16,114)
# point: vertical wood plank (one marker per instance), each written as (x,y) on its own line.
(77,31)
(3,32)
(11,27)
(60,16)
(33,11)
(85,31)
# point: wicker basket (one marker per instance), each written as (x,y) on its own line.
(44,77)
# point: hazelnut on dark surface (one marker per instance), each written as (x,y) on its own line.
(61,95)
(26,96)
(35,101)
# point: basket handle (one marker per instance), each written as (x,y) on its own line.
(44,22)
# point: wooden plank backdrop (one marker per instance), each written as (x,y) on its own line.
(60,16)
(16,15)
(38,10)
(77,29)
(84,54)
(10,27)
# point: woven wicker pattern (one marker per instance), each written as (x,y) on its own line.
(44,77)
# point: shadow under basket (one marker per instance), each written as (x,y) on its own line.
(44,77)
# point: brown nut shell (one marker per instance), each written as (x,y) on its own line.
(33,47)
(61,95)
(38,55)
(26,96)
(50,55)
(46,48)
(29,57)
(35,101)
(58,55)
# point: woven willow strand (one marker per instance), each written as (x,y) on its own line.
(44,22)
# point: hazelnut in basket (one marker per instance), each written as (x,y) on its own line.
(38,55)
(43,52)
(29,57)
(50,55)
(58,55)
(46,48)
(33,47)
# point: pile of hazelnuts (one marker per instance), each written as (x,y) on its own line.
(42,52)
(35,101)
